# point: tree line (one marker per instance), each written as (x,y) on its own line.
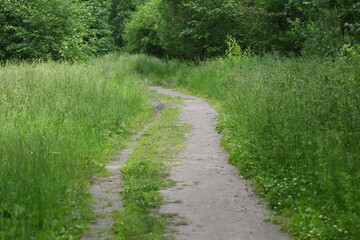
(54,29)
(185,29)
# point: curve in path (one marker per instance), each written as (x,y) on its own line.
(214,201)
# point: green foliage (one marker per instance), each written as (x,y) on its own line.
(58,122)
(195,30)
(350,63)
(120,13)
(55,29)
(37,29)
(233,48)
(155,69)
(172,22)
(201,27)
(141,31)
(98,33)
(324,26)
(189,29)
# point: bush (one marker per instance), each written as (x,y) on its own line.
(40,29)
(140,34)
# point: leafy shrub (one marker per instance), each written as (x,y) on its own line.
(140,32)
(68,29)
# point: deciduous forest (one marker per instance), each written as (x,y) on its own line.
(283,74)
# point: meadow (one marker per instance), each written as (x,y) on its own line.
(59,122)
(290,124)
(289,105)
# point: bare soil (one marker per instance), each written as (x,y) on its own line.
(211,200)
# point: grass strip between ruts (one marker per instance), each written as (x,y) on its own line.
(144,174)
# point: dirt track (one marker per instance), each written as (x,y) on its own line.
(213,202)
(106,194)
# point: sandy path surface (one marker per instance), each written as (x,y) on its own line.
(210,196)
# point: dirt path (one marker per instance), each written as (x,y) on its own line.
(210,197)
(106,194)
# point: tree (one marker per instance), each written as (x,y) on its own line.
(326,25)
(37,29)
(121,11)
(141,33)
(198,29)
(56,29)
(98,33)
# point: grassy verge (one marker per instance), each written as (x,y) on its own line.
(144,174)
(58,122)
(292,126)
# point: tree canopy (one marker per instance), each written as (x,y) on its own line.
(195,29)
(54,29)
(187,29)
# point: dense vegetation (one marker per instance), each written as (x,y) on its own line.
(187,29)
(291,125)
(194,29)
(55,29)
(287,90)
(58,122)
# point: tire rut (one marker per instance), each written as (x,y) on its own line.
(106,193)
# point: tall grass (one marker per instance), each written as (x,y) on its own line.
(57,123)
(293,126)
(290,124)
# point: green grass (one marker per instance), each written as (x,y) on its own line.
(58,124)
(144,174)
(292,126)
